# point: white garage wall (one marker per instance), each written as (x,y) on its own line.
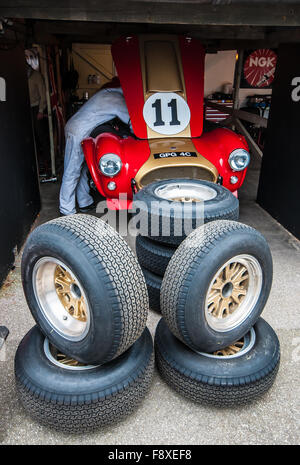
(219,69)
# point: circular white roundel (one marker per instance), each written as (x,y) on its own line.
(166,113)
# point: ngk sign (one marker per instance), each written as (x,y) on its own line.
(259,68)
(263,62)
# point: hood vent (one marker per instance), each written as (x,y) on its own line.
(162,67)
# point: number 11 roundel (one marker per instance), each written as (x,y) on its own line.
(166,113)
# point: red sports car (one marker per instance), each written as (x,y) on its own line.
(162,77)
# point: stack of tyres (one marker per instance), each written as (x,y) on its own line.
(211,345)
(89,360)
(168,211)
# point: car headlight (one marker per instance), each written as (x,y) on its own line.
(239,159)
(110,164)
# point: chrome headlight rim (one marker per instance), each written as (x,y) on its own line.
(238,153)
(114,158)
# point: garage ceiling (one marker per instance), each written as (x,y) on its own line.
(197,12)
(219,24)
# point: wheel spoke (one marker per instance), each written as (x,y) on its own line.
(240,276)
(214,297)
(74,305)
(240,291)
(238,283)
(230,350)
(235,297)
(218,284)
(230,270)
(61,358)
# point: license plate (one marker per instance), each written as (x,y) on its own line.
(175,154)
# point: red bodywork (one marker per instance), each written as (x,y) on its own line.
(215,145)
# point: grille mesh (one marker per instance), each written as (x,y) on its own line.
(183,172)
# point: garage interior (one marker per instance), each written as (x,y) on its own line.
(82,34)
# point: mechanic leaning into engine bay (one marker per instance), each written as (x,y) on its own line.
(104,106)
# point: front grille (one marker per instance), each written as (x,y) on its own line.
(183,172)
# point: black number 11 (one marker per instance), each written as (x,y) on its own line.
(157,106)
(173,105)
(158,115)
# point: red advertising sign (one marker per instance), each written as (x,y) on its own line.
(259,68)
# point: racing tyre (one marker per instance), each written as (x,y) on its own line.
(153,282)
(152,255)
(232,376)
(167,211)
(85,288)
(216,285)
(66,395)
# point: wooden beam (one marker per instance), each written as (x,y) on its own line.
(237,79)
(227,32)
(89,28)
(241,114)
(236,44)
(273,37)
(253,145)
(162,12)
(106,33)
(283,35)
(92,65)
(44,72)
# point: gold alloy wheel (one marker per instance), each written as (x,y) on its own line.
(230,350)
(62,360)
(235,350)
(69,293)
(228,290)
(233,292)
(61,298)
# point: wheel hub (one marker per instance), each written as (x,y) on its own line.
(233,292)
(69,294)
(185,192)
(184,199)
(228,290)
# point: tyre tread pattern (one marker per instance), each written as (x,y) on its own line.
(75,414)
(231,214)
(220,392)
(153,285)
(153,256)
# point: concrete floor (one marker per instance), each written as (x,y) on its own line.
(165,417)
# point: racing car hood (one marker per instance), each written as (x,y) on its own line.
(162,77)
